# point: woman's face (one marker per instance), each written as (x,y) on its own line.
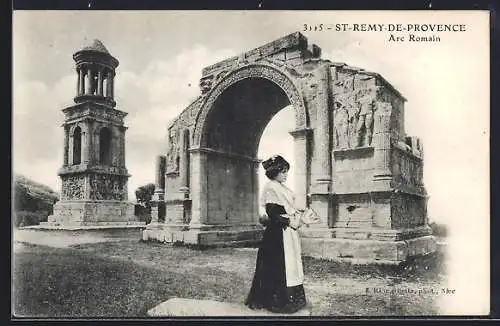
(281,177)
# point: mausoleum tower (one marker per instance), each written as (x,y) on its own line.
(94,177)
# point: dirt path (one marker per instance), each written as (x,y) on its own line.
(65,239)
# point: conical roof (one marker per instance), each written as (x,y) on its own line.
(95,52)
(96,46)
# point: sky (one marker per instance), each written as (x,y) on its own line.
(162,53)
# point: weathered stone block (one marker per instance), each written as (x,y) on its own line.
(191,237)
(87,212)
(312,232)
(177,236)
(368,251)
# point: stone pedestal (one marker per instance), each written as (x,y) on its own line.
(158,206)
(73,214)
(206,235)
(363,251)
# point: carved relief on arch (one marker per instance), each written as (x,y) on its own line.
(173,151)
(267,71)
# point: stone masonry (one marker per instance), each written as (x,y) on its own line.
(354,163)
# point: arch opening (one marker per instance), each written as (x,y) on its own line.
(77,146)
(276,139)
(241,113)
(232,133)
(105,146)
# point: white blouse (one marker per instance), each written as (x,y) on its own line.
(275,192)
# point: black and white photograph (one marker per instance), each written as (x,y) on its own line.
(225,163)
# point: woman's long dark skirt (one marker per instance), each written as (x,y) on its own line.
(269,290)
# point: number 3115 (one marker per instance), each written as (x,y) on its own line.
(310,28)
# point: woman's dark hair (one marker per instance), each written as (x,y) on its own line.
(275,165)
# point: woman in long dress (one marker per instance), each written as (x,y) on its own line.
(278,280)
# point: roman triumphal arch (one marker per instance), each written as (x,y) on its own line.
(354,164)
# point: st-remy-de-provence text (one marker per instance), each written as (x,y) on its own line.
(390,27)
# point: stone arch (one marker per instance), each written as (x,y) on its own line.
(77,146)
(83,127)
(115,151)
(256,70)
(227,130)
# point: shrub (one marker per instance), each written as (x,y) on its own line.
(143,213)
(143,194)
(26,218)
(26,201)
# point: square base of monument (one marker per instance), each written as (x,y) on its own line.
(368,251)
(93,226)
(96,214)
(382,234)
(216,237)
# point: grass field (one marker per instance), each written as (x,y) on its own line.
(124,277)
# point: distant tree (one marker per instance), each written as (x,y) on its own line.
(21,198)
(32,202)
(143,194)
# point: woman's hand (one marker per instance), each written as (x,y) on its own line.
(296,224)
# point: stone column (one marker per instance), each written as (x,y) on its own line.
(255,190)
(320,187)
(115,146)
(89,82)
(382,148)
(184,165)
(100,82)
(122,146)
(78,81)
(300,144)
(90,136)
(109,78)
(87,144)
(159,194)
(112,85)
(70,149)
(97,144)
(66,146)
(159,171)
(82,81)
(198,188)
(321,155)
